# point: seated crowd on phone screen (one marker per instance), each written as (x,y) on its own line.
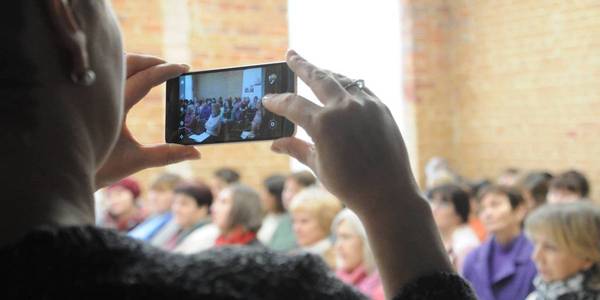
(222,118)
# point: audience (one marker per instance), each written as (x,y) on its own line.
(567,251)
(160,225)
(451,210)
(191,209)
(474,220)
(238,215)
(295,183)
(355,263)
(313,210)
(276,231)
(123,212)
(501,268)
(568,187)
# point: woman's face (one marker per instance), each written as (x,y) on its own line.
(348,247)
(120,201)
(497,214)
(160,200)
(186,211)
(221,210)
(290,189)
(267,200)
(444,214)
(554,263)
(307,229)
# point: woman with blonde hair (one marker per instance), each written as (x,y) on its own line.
(313,211)
(567,251)
(355,262)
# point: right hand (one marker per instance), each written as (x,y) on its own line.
(358,153)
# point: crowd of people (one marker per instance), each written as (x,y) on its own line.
(541,232)
(517,236)
(222,117)
(289,214)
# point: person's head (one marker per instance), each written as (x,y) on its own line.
(566,237)
(123,197)
(313,210)
(535,188)
(271,194)
(222,178)
(450,206)
(351,244)
(509,177)
(237,206)
(61,124)
(161,192)
(295,183)
(568,187)
(191,204)
(502,209)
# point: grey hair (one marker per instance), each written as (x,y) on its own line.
(355,223)
(246,209)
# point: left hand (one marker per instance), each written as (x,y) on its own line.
(129,156)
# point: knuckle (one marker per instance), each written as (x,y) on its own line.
(318,74)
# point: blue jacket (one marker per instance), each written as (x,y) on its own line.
(513,281)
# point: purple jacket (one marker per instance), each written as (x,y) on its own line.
(513,281)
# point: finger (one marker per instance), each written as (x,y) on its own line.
(296,108)
(142,82)
(139,62)
(166,154)
(325,87)
(303,151)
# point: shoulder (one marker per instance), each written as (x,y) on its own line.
(89,261)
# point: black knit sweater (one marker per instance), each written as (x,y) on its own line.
(87,262)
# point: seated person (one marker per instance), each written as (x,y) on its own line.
(222,178)
(568,187)
(567,252)
(191,207)
(501,268)
(123,212)
(49,247)
(534,187)
(313,210)
(160,225)
(451,210)
(276,231)
(355,262)
(295,183)
(214,123)
(238,215)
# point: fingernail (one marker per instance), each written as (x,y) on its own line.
(185,66)
(275,149)
(268,96)
(192,155)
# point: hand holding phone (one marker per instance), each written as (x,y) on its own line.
(225,105)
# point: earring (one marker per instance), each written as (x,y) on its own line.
(86,77)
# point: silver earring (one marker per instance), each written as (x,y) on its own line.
(85,78)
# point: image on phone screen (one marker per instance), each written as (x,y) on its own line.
(225,105)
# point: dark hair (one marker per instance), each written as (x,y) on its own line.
(274,185)
(227,175)
(514,196)
(573,181)
(200,192)
(478,186)
(304,178)
(451,193)
(537,184)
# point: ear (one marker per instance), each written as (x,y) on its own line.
(73,39)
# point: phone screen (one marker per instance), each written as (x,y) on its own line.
(225,105)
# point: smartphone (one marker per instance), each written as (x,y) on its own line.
(225,105)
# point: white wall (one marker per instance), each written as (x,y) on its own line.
(357,38)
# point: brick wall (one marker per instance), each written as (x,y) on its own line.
(205,34)
(509,83)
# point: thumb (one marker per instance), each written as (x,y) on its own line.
(166,154)
(303,151)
